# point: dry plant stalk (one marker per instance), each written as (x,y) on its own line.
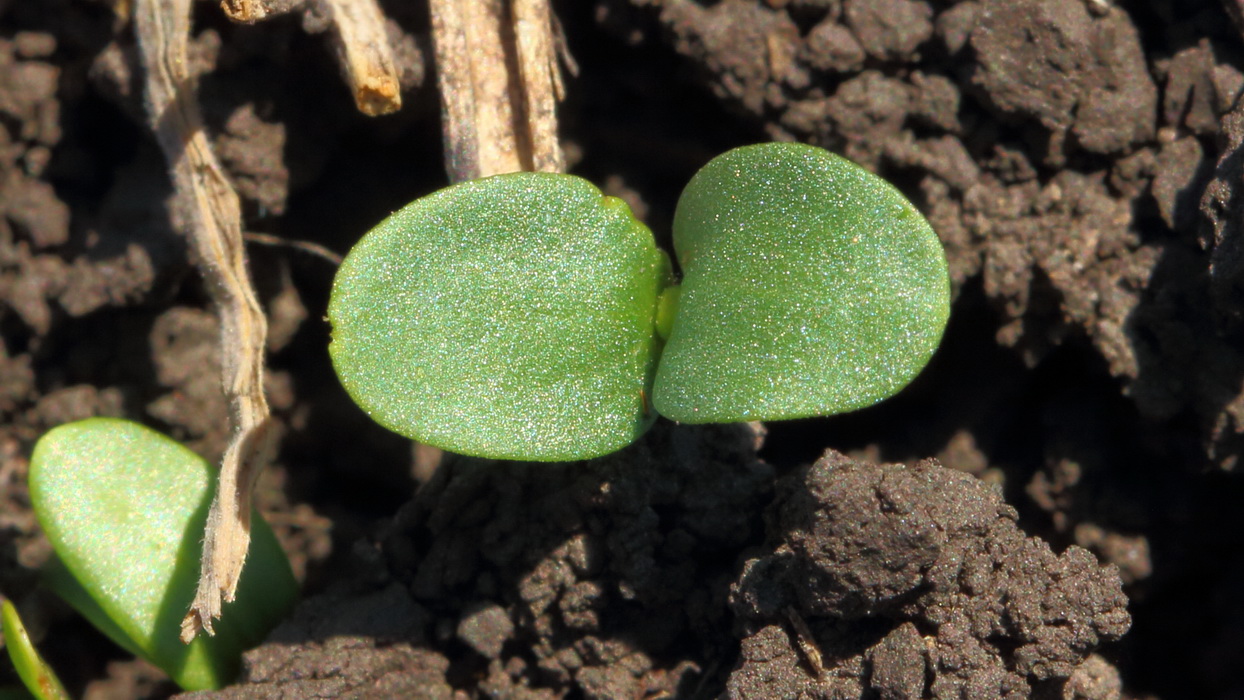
(805,642)
(251,11)
(541,81)
(365,55)
(496,64)
(207,206)
(361,42)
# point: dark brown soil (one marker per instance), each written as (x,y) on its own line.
(1082,162)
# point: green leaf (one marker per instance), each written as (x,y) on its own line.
(508,317)
(811,287)
(38,677)
(124,508)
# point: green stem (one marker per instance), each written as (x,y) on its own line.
(667,309)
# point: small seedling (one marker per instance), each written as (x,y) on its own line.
(124,508)
(35,673)
(527,316)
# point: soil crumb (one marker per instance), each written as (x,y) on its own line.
(913,581)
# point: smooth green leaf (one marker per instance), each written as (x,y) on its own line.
(38,677)
(508,317)
(124,508)
(811,287)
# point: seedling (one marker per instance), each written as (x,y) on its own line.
(124,508)
(527,316)
(35,673)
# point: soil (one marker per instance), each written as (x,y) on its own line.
(1051,510)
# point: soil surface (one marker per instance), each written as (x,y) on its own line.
(1051,510)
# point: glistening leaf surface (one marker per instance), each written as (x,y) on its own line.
(810,287)
(508,317)
(124,508)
